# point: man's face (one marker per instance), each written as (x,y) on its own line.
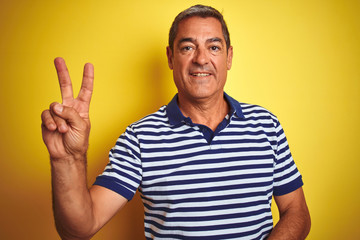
(199,59)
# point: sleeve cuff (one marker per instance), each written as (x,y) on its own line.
(289,187)
(109,183)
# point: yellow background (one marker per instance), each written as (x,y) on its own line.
(299,59)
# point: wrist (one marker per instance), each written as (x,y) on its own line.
(70,171)
(69,159)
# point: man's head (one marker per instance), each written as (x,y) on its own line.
(199,55)
(198,11)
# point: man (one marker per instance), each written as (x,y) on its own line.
(206,165)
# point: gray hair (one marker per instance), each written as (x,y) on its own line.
(198,11)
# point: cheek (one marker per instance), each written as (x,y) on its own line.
(180,67)
(222,67)
(182,60)
(222,73)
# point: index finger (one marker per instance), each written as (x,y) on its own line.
(87,83)
(64,80)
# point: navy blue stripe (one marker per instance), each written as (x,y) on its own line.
(206,161)
(288,188)
(252,118)
(207,189)
(212,227)
(194,145)
(112,184)
(286,176)
(206,199)
(207,180)
(123,174)
(216,237)
(252,125)
(113,152)
(200,208)
(206,152)
(171,140)
(206,218)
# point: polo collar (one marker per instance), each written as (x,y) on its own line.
(175,115)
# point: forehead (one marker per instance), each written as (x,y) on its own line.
(198,27)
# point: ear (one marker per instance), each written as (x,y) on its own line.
(169,55)
(229,57)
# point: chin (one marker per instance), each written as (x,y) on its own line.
(202,93)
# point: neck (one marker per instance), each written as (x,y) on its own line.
(209,112)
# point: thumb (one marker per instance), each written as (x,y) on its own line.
(58,108)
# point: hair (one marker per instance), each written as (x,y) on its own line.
(198,11)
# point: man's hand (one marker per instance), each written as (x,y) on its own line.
(65,131)
(66,126)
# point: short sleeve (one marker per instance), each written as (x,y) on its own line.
(287,178)
(123,173)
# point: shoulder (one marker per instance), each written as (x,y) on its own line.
(249,111)
(155,119)
(252,111)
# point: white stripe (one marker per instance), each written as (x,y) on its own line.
(204,157)
(213,232)
(210,203)
(121,178)
(206,223)
(211,193)
(212,175)
(287,180)
(208,184)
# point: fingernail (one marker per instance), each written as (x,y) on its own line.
(59,108)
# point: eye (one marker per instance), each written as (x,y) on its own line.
(187,48)
(215,48)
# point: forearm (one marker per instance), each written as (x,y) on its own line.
(293,225)
(71,199)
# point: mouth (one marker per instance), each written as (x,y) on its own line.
(200,74)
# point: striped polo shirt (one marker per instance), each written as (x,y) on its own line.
(200,184)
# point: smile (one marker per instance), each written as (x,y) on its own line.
(200,74)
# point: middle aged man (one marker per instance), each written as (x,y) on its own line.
(206,165)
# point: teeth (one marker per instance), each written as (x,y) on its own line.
(200,74)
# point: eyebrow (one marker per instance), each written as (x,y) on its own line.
(192,40)
(215,39)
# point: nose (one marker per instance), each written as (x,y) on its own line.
(201,56)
